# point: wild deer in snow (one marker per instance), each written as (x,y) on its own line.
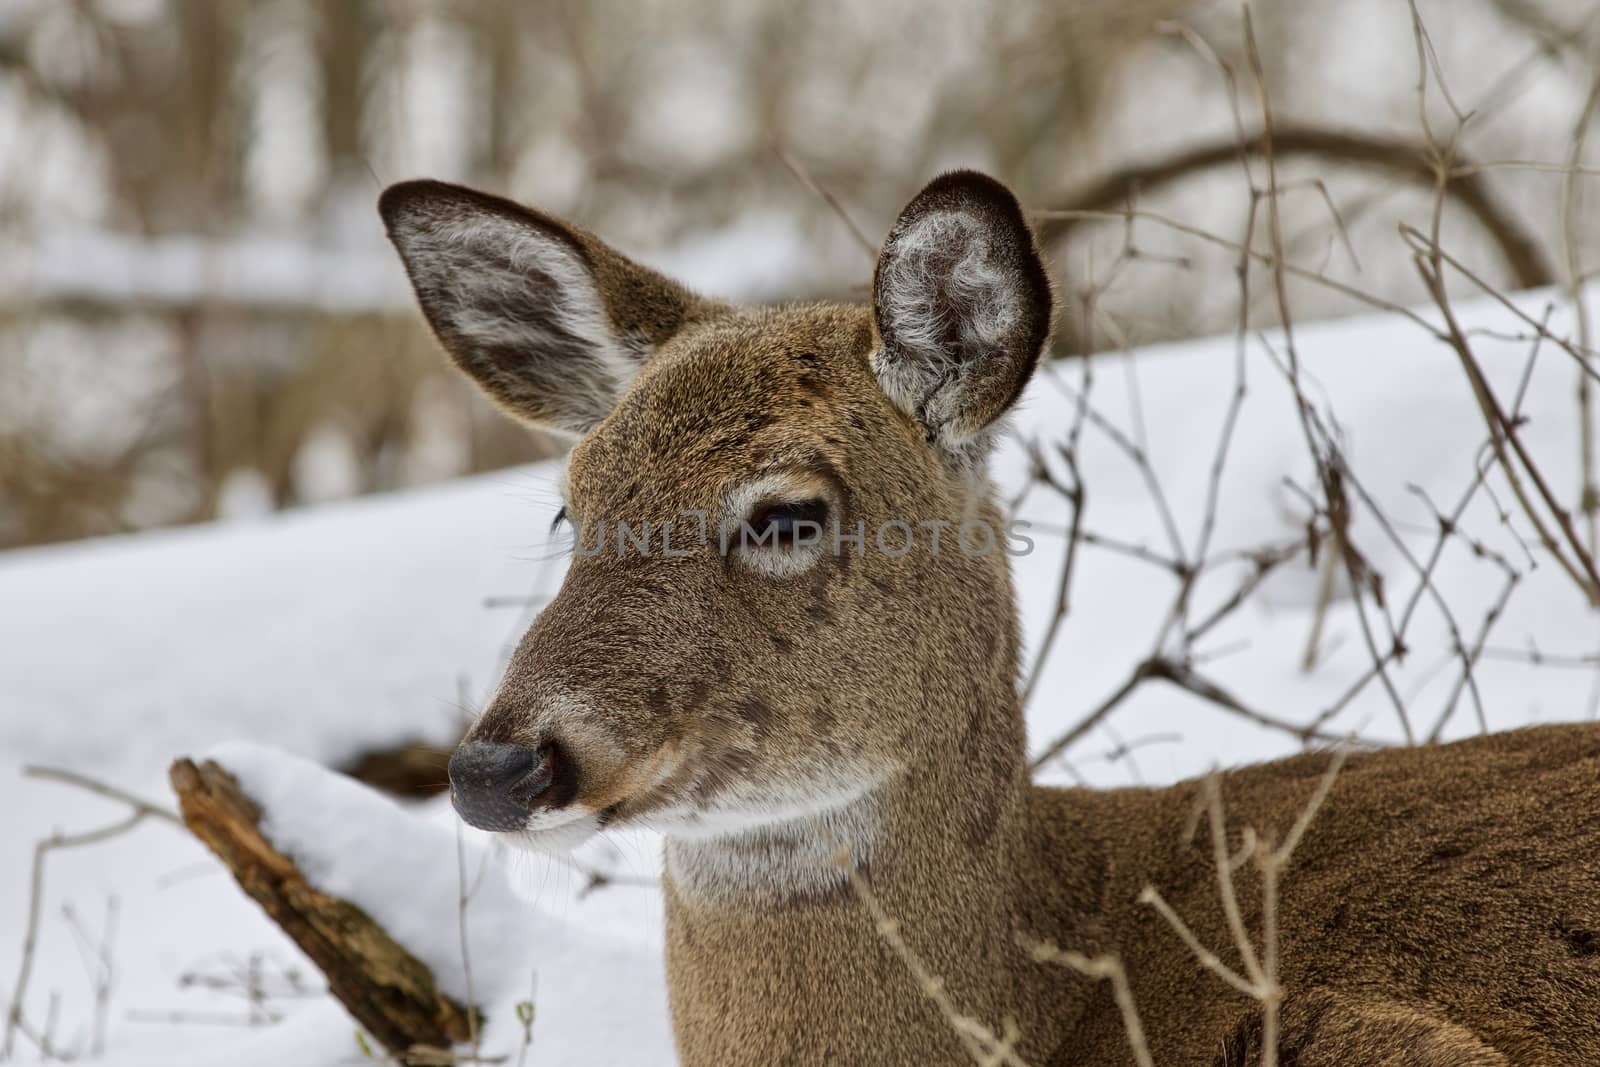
(764,701)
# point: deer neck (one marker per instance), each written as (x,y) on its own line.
(960,803)
(891,835)
(948,847)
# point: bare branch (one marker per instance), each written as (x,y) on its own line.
(1522,251)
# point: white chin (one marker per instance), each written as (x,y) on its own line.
(557,840)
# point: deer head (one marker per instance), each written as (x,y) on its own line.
(789,586)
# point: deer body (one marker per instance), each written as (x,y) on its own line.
(773,703)
(1439,914)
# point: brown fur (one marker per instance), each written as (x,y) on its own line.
(1443,909)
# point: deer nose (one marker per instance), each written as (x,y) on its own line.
(496,786)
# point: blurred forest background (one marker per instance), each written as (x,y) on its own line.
(199,317)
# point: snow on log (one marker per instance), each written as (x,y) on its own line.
(317,851)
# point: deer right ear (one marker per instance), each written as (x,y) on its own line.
(962,304)
(548,320)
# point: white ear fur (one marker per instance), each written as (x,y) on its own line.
(963,308)
(487,272)
(943,281)
(517,302)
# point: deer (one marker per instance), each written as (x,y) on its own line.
(799,716)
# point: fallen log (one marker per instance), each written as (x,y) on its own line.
(413,770)
(385,988)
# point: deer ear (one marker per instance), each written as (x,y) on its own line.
(962,304)
(549,321)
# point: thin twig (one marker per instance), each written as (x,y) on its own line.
(1503,432)
(1108,968)
(979,1040)
(805,179)
(1588,490)
(141,810)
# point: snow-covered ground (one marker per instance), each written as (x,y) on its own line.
(332,631)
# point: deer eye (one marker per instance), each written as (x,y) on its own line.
(785,524)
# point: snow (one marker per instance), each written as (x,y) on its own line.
(353,843)
(1408,419)
(330,631)
(324,630)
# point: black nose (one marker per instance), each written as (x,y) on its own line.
(496,786)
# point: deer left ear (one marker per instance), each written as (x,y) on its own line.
(962,304)
(549,320)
